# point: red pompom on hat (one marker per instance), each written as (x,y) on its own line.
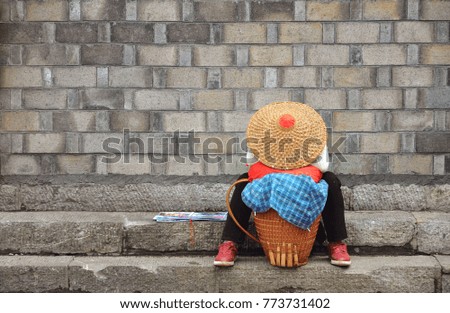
(286,121)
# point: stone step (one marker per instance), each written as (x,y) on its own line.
(161,274)
(132,233)
(162,193)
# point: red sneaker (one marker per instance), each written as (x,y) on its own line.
(338,254)
(227,254)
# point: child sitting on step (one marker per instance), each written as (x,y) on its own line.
(290,131)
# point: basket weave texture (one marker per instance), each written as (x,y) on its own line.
(284,147)
(284,244)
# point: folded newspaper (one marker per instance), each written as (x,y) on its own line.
(190,216)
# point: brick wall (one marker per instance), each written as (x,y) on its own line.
(75,74)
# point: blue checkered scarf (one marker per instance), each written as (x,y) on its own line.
(297,198)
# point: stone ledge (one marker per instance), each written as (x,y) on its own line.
(91,233)
(194,194)
(197,274)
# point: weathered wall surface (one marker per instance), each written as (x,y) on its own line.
(75,73)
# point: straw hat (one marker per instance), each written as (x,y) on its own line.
(286,135)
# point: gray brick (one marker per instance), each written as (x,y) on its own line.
(260,98)
(352,143)
(185,56)
(132,32)
(447,164)
(102,121)
(300,10)
(188,11)
(413,9)
(327,55)
(434,98)
(299,55)
(18,11)
(440,76)
(380,143)
(104,32)
(358,164)
(383,121)
(101,99)
(157,55)
(73,99)
(242,53)
(433,142)
(384,10)
(213,100)
(384,77)
(439,165)
(160,33)
(408,143)
(354,77)
(235,121)
(134,121)
(328,33)
(45,99)
(188,33)
(270,56)
(353,121)
(301,32)
(20,76)
(412,57)
(384,54)
(16,99)
(327,11)
(442,32)
(72,143)
(21,33)
(214,79)
(159,78)
(382,99)
(102,76)
(216,33)
(300,77)
(101,54)
(49,32)
(214,11)
(416,164)
(5,11)
(356,55)
(244,33)
(5,99)
(156,100)
(130,77)
(270,78)
(17,142)
(47,77)
(75,164)
(354,99)
(356,10)
(414,32)
(74,10)
(435,54)
(73,54)
(76,32)
(327,80)
(45,143)
(412,77)
(45,55)
(129,55)
(75,121)
(5,143)
(326,98)
(131,10)
(183,121)
(101,10)
(242,78)
(272,33)
(21,165)
(151,10)
(5,55)
(219,55)
(272,11)
(386,32)
(435,10)
(184,77)
(186,100)
(357,32)
(410,98)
